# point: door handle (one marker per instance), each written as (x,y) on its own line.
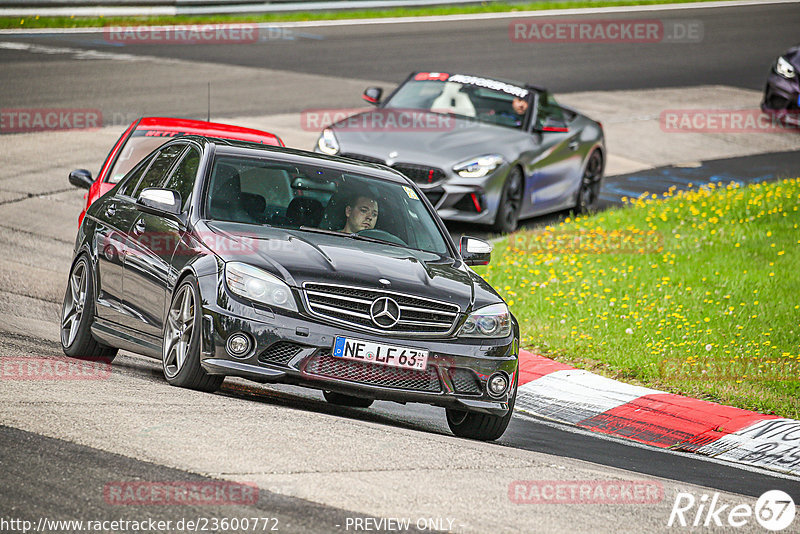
(574,145)
(139,227)
(111,209)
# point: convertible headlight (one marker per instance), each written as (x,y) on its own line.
(327,142)
(785,69)
(489,321)
(478,167)
(253,283)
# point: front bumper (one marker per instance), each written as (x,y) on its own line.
(782,98)
(296,350)
(472,200)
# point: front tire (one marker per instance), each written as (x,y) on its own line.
(592,178)
(180,353)
(480,426)
(77,314)
(341,399)
(508,210)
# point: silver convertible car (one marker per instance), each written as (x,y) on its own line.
(483,150)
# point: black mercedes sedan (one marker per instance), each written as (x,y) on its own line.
(225,258)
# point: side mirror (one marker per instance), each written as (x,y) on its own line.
(159,201)
(373,95)
(81,178)
(475,251)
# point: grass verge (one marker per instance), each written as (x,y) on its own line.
(695,294)
(484,7)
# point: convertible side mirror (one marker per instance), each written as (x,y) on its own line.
(373,95)
(81,178)
(475,251)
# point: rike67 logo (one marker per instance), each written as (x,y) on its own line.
(775,510)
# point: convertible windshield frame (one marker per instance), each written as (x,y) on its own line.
(482,100)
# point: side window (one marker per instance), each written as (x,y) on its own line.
(183,177)
(154,176)
(550,115)
(129,183)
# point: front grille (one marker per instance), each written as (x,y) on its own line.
(434,196)
(421,174)
(465,381)
(373,374)
(362,157)
(352,305)
(280,353)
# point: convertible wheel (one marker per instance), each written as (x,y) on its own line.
(481,426)
(510,203)
(77,313)
(590,184)
(347,400)
(181,349)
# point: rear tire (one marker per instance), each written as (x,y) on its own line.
(341,399)
(180,353)
(77,314)
(480,426)
(508,210)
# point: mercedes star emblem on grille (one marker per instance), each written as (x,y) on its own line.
(385,312)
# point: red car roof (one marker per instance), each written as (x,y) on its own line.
(211,129)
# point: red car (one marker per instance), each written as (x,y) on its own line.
(145,135)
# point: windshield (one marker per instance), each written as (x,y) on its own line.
(320,199)
(481,99)
(140,144)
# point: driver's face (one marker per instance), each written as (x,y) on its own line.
(362,215)
(520,106)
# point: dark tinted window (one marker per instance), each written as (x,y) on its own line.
(183,177)
(154,176)
(132,179)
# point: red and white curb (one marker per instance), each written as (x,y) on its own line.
(562,393)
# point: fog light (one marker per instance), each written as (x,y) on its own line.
(238,345)
(498,383)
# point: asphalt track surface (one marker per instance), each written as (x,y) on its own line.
(737,49)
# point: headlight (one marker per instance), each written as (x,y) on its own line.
(327,142)
(489,321)
(478,167)
(784,68)
(253,283)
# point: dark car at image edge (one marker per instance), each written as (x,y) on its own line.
(226,258)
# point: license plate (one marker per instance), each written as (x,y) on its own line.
(389,355)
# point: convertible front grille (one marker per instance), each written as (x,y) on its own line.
(420,174)
(376,375)
(351,305)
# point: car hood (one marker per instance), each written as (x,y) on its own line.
(298,256)
(427,137)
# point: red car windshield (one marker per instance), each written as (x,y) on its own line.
(138,146)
